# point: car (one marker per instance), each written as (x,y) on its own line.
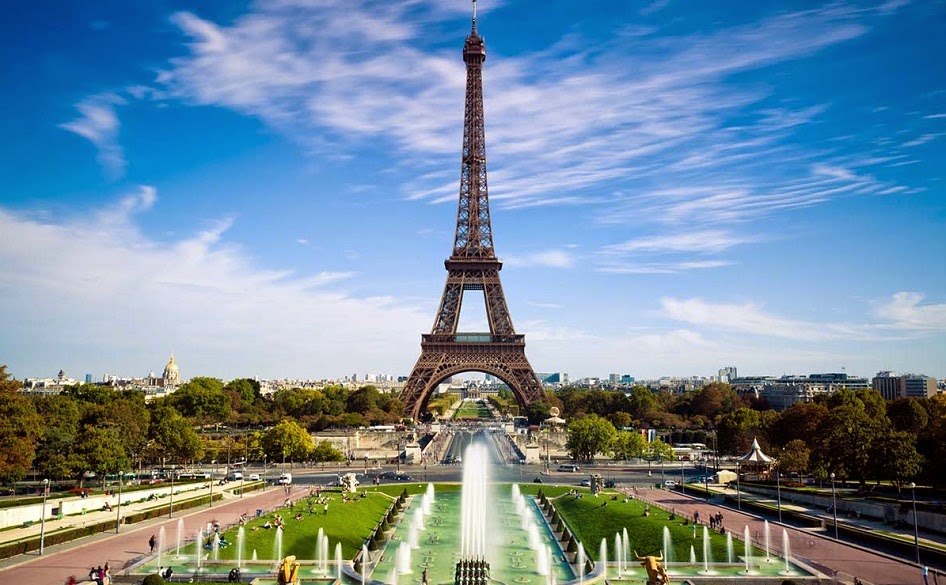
(585,482)
(403,477)
(537,480)
(610,483)
(253,477)
(670,483)
(387,475)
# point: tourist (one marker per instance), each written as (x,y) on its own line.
(152,542)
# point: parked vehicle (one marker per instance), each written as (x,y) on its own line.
(285,479)
(253,477)
(568,467)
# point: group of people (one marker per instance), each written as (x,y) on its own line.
(101,575)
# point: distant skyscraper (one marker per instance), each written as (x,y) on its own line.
(727,374)
(892,387)
(88,378)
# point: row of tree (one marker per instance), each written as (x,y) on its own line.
(90,428)
(856,435)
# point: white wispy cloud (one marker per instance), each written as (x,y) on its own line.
(906,310)
(100,276)
(566,123)
(623,267)
(703,241)
(547,259)
(99,125)
(753,319)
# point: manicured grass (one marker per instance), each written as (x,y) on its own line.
(469,410)
(350,523)
(594,518)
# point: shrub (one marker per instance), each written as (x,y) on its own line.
(153,579)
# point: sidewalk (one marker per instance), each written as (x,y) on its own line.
(815,547)
(102,515)
(130,545)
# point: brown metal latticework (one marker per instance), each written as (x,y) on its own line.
(472,266)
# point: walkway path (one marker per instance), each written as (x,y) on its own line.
(130,545)
(835,558)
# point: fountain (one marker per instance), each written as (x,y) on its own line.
(747,542)
(180,537)
(730,550)
(161,535)
(603,559)
(277,544)
(338,561)
(765,531)
(241,545)
(707,551)
(403,563)
(787,552)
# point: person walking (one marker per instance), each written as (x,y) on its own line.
(152,542)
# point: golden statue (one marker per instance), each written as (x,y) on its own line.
(288,573)
(656,574)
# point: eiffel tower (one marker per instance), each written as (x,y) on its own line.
(472,266)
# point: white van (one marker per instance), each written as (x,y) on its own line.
(235,476)
(285,479)
(568,467)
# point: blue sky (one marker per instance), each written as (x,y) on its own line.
(269,188)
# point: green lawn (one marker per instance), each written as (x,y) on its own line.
(595,518)
(350,523)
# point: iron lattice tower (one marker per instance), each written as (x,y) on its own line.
(473,265)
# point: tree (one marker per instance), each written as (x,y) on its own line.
(287,440)
(7,383)
(895,458)
(202,400)
(906,414)
(324,451)
(363,400)
(737,429)
(589,436)
(99,449)
(20,429)
(844,442)
(248,390)
(627,445)
(794,457)
(658,450)
(173,437)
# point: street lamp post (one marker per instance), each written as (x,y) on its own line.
(738,490)
(118,513)
(834,506)
(778,494)
(171,503)
(916,533)
(212,470)
(42,528)
(683,481)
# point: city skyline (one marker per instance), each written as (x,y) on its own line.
(269,188)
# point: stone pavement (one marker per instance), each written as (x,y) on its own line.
(130,544)
(815,547)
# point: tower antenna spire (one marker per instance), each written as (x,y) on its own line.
(474,15)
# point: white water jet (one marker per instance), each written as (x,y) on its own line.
(707,550)
(320,551)
(161,536)
(618,554)
(325,555)
(603,559)
(535,541)
(199,547)
(730,552)
(748,547)
(626,547)
(692,555)
(241,545)
(430,492)
(277,544)
(766,531)
(787,551)
(338,561)
(427,504)
(215,547)
(254,555)
(391,579)
(364,563)
(524,522)
(403,560)
(419,518)
(580,561)
(542,560)
(412,538)
(667,546)
(474,503)
(180,537)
